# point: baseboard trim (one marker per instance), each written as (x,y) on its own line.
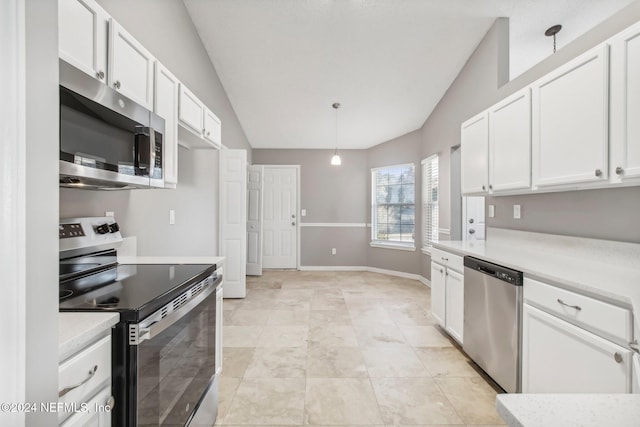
(395,273)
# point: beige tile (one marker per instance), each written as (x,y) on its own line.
(226,391)
(288,318)
(413,401)
(473,399)
(446,362)
(329,317)
(335,303)
(411,317)
(333,336)
(268,401)
(278,362)
(425,336)
(241,336)
(379,335)
(393,361)
(283,336)
(235,361)
(244,317)
(290,304)
(340,402)
(369,316)
(335,362)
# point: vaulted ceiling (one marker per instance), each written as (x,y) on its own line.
(388,62)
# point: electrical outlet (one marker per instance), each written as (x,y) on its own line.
(492,211)
(109,214)
(172,217)
(333,251)
(517,213)
(303,212)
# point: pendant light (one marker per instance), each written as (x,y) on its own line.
(551,32)
(335,160)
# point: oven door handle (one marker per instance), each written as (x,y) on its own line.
(150,328)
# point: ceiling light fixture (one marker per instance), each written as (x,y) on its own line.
(335,160)
(552,31)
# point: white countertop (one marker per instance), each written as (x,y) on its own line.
(217,260)
(76,330)
(605,269)
(569,410)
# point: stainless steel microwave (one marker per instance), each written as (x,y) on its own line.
(107,141)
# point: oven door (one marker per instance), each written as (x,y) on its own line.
(175,360)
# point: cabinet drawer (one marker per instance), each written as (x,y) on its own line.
(98,414)
(447,259)
(78,370)
(604,319)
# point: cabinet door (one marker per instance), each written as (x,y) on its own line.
(219,317)
(625,103)
(82,32)
(212,128)
(454,312)
(97,414)
(438,301)
(191,111)
(130,66)
(166,106)
(570,122)
(558,357)
(510,143)
(475,152)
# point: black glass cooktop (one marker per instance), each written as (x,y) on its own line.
(133,290)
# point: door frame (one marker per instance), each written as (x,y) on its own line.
(297,169)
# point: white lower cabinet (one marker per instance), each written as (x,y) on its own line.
(447,294)
(97,413)
(559,357)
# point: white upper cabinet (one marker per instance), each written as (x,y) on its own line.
(212,128)
(625,104)
(130,66)
(475,152)
(166,106)
(82,31)
(570,122)
(191,111)
(510,143)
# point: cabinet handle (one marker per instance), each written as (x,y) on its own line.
(117,84)
(617,357)
(619,170)
(100,75)
(444,259)
(570,306)
(66,390)
(111,402)
(598,172)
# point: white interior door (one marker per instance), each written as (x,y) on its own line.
(254,220)
(233,221)
(473,218)
(280,207)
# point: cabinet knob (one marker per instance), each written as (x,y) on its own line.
(490,187)
(484,187)
(619,170)
(100,75)
(598,172)
(293,223)
(117,84)
(111,402)
(208,133)
(617,357)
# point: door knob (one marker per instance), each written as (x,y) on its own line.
(472,231)
(470,220)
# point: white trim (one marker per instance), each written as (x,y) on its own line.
(397,246)
(394,273)
(393,166)
(445,231)
(12,214)
(426,250)
(333,224)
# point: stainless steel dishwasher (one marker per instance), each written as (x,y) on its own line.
(493,320)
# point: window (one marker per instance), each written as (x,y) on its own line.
(394,210)
(429,202)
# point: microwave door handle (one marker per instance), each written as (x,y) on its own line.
(152,149)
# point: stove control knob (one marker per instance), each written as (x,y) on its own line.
(102,229)
(114,228)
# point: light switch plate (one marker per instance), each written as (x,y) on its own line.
(333,251)
(517,214)
(492,211)
(303,212)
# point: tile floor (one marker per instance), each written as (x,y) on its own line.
(344,348)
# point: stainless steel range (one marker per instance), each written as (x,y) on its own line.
(164,362)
